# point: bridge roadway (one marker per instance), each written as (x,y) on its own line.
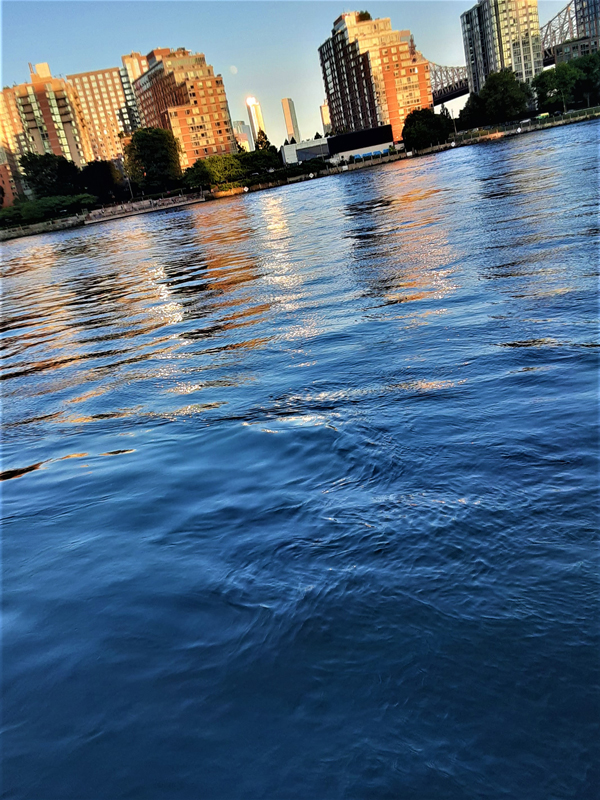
(447,82)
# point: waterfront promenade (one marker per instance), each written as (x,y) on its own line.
(136,207)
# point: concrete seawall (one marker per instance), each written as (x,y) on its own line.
(42,227)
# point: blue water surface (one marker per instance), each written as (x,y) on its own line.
(300,493)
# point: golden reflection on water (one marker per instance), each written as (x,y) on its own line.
(167,297)
(420,258)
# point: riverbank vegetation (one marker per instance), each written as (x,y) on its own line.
(31,211)
(575,84)
(504,99)
(60,189)
(423,128)
(152,167)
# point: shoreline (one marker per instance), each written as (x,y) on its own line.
(492,135)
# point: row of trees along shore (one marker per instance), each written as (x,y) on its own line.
(152,169)
(152,164)
(504,99)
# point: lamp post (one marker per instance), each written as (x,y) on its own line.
(453,122)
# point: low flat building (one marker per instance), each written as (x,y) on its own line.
(304,151)
(576,48)
(374,141)
(369,142)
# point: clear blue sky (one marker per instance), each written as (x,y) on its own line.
(272,45)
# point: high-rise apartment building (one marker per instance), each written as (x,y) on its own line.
(373,75)
(255,116)
(51,117)
(8,187)
(13,142)
(243,135)
(478,54)
(502,34)
(109,109)
(587,15)
(291,123)
(180,92)
(325,118)
(135,64)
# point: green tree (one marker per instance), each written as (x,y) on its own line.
(102,178)
(48,175)
(504,97)
(31,211)
(566,77)
(197,176)
(262,143)
(215,171)
(318,135)
(423,128)
(152,159)
(260,161)
(587,88)
(472,114)
(544,86)
(225,169)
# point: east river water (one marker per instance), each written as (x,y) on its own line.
(300,493)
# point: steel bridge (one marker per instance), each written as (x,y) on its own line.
(447,82)
(450,82)
(559,29)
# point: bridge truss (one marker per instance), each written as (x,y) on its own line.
(447,82)
(559,29)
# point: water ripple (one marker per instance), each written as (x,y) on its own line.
(300,490)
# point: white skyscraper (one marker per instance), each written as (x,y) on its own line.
(257,122)
(291,123)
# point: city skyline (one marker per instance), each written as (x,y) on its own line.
(241,48)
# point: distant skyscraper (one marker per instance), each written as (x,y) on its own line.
(501,34)
(243,134)
(325,118)
(257,122)
(373,75)
(291,123)
(109,109)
